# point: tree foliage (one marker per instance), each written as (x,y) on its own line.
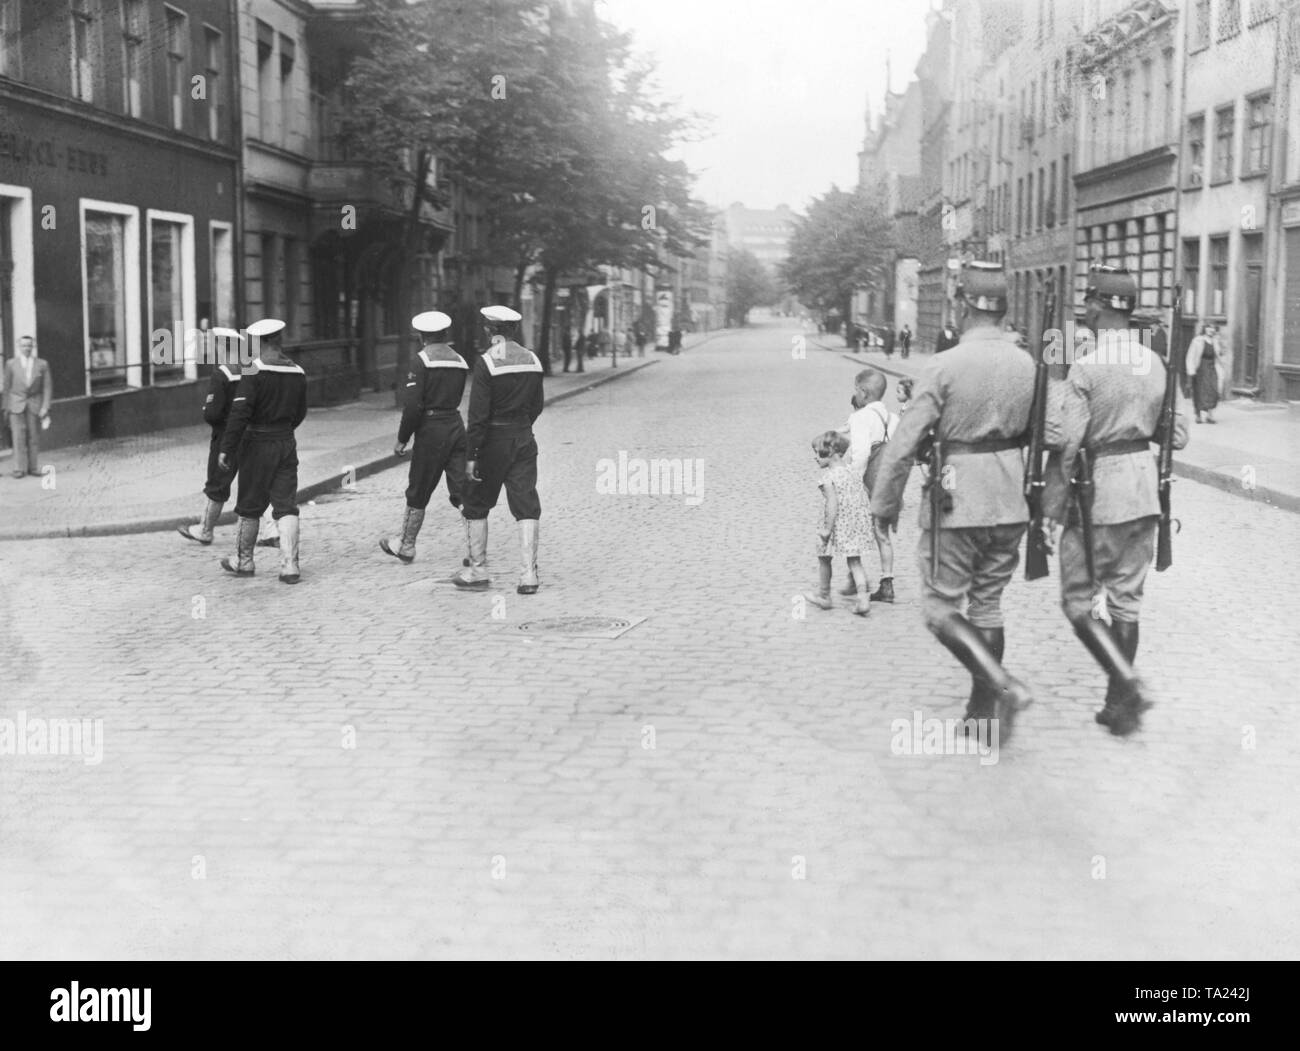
(749,284)
(837,248)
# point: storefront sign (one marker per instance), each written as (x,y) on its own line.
(1152,204)
(45,153)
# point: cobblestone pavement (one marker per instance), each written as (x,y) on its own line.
(374,765)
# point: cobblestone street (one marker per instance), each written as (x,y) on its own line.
(374,765)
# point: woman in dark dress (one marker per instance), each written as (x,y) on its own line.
(1205,367)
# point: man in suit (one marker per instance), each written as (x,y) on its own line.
(28,390)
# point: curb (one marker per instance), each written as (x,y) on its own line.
(306,493)
(1217,479)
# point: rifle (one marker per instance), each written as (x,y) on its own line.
(1165,436)
(940,500)
(1037,548)
(1084,492)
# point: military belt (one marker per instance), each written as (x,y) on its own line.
(1137,445)
(989,445)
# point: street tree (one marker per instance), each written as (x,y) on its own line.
(749,284)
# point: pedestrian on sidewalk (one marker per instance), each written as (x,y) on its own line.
(974,402)
(504,403)
(888,338)
(845,530)
(566,344)
(222,385)
(620,342)
(28,390)
(905,341)
(1116,411)
(869,429)
(1206,372)
(268,407)
(430,413)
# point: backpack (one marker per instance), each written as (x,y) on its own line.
(874,458)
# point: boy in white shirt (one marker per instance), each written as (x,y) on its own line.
(870,425)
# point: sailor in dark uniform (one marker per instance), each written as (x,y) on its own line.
(222,385)
(1109,406)
(975,400)
(504,402)
(268,407)
(431,413)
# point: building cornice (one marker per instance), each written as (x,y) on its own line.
(1149,159)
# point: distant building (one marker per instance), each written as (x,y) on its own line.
(765,232)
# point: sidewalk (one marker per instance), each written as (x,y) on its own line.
(154,481)
(1253,450)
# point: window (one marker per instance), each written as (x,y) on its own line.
(111,293)
(1223,130)
(223,275)
(1051,198)
(1195,152)
(265,81)
(292,283)
(1020,206)
(1042,116)
(1065,190)
(10,39)
(1229,18)
(1041,195)
(1259,137)
(1056,91)
(1201,25)
(176,54)
(1218,298)
(1191,276)
(1126,132)
(1171,100)
(133,54)
(1260,11)
(1029,203)
(287,123)
(1146,141)
(213,47)
(272,277)
(171,269)
(85,50)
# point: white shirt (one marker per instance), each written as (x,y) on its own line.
(866,428)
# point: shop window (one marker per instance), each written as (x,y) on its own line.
(223,275)
(171,283)
(111,294)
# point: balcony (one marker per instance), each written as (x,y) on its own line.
(356,183)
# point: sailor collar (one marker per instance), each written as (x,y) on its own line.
(261,366)
(452,360)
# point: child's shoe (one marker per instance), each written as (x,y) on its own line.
(820,599)
(863,606)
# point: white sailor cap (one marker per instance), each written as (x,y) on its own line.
(430,321)
(227,333)
(266,327)
(500,313)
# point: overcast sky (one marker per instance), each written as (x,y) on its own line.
(786,82)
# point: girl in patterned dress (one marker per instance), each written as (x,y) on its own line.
(846,523)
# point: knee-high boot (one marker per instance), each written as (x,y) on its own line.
(1126,696)
(968,645)
(983,701)
(403,547)
(289,549)
(245,543)
(475,575)
(528,582)
(211,512)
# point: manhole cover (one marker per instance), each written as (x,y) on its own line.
(580,627)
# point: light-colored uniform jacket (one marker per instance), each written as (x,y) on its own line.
(1109,397)
(979,390)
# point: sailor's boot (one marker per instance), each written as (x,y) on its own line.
(289,549)
(1126,697)
(245,542)
(528,582)
(965,642)
(403,547)
(211,512)
(475,575)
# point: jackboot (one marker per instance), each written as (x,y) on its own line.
(403,547)
(245,543)
(211,512)
(1127,698)
(884,593)
(289,549)
(528,582)
(475,575)
(968,645)
(983,701)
